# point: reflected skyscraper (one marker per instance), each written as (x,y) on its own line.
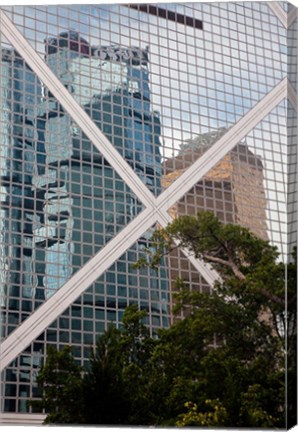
(112,83)
(68,175)
(62,200)
(95,103)
(19,91)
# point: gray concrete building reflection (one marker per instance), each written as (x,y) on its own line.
(225,190)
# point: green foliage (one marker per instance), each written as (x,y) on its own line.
(230,248)
(103,383)
(110,391)
(115,379)
(227,356)
(60,380)
(252,409)
(193,417)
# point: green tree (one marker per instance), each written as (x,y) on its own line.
(111,390)
(114,384)
(188,367)
(61,384)
(222,365)
(246,314)
(214,417)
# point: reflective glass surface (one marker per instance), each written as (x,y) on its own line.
(102,305)
(292,53)
(256,167)
(163,83)
(201,79)
(291,179)
(61,201)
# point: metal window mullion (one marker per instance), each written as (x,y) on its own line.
(51,309)
(36,323)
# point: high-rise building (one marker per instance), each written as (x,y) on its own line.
(117,118)
(19,92)
(226,190)
(117,98)
(65,201)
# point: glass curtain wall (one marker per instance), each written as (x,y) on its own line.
(170,90)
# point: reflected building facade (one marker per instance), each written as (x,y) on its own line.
(77,212)
(19,92)
(62,201)
(114,91)
(226,190)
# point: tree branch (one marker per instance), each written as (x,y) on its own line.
(226,263)
(275,299)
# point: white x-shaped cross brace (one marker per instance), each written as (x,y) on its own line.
(156,209)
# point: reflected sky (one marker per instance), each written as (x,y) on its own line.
(200,80)
(201,83)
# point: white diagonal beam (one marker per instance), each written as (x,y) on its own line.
(279,12)
(63,102)
(210,275)
(86,279)
(212,156)
(19,339)
(77,113)
(67,101)
(218,150)
(36,323)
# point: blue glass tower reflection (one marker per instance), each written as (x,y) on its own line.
(19,91)
(63,200)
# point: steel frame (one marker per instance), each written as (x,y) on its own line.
(156,209)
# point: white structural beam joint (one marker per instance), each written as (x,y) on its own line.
(156,210)
(98,139)
(210,275)
(34,325)
(292,15)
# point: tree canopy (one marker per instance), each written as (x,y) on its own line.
(222,365)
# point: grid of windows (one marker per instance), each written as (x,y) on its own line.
(61,201)
(101,305)
(292,53)
(163,84)
(257,167)
(200,79)
(291,216)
